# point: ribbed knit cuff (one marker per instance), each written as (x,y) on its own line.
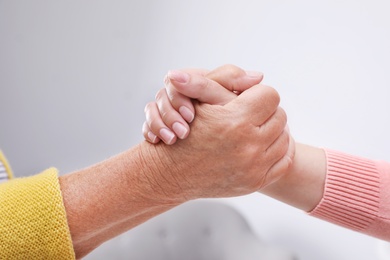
(351,195)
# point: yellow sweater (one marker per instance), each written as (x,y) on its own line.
(33,221)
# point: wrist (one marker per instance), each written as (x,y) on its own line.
(303,185)
(157,170)
(110,197)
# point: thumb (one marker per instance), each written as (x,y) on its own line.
(197,87)
(257,103)
(234,78)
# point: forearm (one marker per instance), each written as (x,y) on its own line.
(303,186)
(113,196)
(344,189)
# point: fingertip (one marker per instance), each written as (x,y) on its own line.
(148,134)
(186,113)
(148,106)
(167,136)
(180,130)
(178,76)
(153,138)
(254,74)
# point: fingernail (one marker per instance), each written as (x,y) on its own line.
(178,76)
(167,135)
(186,113)
(254,74)
(152,137)
(180,130)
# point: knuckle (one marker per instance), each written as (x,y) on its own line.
(233,70)
(174,98)
(282,115)
(172,94)
(228,67)
(164,115)
(166,80)
(148,106)
(206,84)
(160,94)
(167,117)
(271,94)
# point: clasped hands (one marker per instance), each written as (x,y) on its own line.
(224,132)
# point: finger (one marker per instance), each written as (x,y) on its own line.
(234,78)
(274,154)
(282,166)
(148,134)
(180,102)
(273,127)
(156,124)
(257,103)
(181,86)
(170,116)
(197,87)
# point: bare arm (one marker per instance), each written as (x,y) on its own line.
(344,189)
(303,185)
(115,195)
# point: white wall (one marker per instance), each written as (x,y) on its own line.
(75,76)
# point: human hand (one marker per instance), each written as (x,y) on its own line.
(167,119)
(245,148)
(234,149)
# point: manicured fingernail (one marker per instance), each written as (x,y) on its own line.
(152,137)
(180,130)
(186,113)
(178,76)
(254,74)
(167,135)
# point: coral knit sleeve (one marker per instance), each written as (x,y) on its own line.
(356,195)
(33,221)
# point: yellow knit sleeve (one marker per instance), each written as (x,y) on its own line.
(33,221)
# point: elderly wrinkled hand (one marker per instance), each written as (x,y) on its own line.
(235,147)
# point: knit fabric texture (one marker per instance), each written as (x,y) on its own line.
(357,194)
(33,221)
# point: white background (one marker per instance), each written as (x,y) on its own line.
(76,75)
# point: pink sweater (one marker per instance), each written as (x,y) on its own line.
(357,194)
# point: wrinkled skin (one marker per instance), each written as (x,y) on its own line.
(233,149)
